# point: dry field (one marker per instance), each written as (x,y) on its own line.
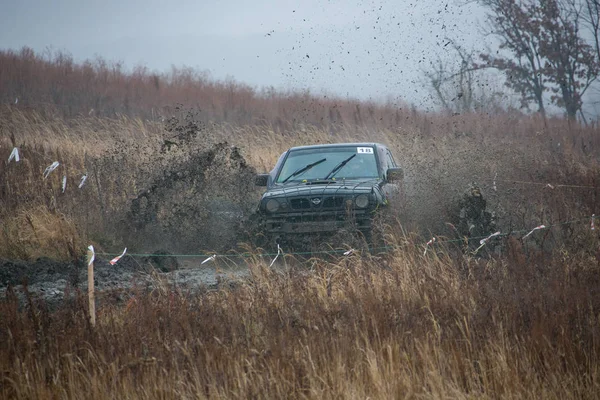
(519,321)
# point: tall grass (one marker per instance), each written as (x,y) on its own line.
(402,326)
(124,156)
(522,322)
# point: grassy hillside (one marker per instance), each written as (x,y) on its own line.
(160,152)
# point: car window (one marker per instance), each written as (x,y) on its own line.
(390,160)
(361,164)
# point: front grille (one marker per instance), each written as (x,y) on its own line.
(305,203)
(317,221)
(333,202)
(300,204)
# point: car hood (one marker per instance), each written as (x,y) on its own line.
(315,189)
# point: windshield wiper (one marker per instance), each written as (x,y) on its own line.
(303,170)
(339,166)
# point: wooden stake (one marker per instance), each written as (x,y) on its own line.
(90,261)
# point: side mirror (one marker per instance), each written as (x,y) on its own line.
(261,179)
(395,174)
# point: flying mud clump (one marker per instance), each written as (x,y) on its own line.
(195,204)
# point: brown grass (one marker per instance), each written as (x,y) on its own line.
(418,327)
(520,323)
(123,156)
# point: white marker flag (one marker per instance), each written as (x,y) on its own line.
(482,241)
(347,253)
(278,253)
(209,259)
(114,260)
(14,155)
(51,168)
(82,182)
(592,226)
(91,248)
(64,183)
(534,229)
(432,241)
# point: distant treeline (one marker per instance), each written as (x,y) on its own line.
(54,82)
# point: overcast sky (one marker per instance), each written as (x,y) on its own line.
(361,49)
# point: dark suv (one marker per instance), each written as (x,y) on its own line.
(323,188)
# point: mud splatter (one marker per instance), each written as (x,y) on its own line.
(195,204)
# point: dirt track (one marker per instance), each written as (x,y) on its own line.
(54,281)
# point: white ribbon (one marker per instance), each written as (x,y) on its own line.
(91,248)
(14,155)
(482,241)
(114,260)
(347,253)
(209,259)
(83,179)
(278,253)
(533,230)
(592,225)
(64,183)
(51,168)
(432,241)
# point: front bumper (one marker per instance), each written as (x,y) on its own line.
(317,222)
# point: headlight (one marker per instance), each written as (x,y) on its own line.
(272,205)
(362,200)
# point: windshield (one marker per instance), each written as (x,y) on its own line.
(359,164)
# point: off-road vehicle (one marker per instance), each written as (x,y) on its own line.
(325,188)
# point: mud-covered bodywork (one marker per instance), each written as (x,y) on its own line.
(323,188)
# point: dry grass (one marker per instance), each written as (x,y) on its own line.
(520,323)
(125,156)
(404,326)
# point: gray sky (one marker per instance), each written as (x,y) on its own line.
(362,49)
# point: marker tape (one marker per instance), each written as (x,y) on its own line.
(83,179)
(278,253)
(114,260)
(209,259)
(347,253)
(51,168)
(64,183)
(14,155)
(432,241)
(592,225)
(91,248)
(533,230)
(482,241)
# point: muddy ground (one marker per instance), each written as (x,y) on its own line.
(192,200)
(55,281)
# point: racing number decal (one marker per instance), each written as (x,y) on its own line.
(364,150)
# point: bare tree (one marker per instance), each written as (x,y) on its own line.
(571,63)
(591,20)
(546,51)
(457,86)
(511,22)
